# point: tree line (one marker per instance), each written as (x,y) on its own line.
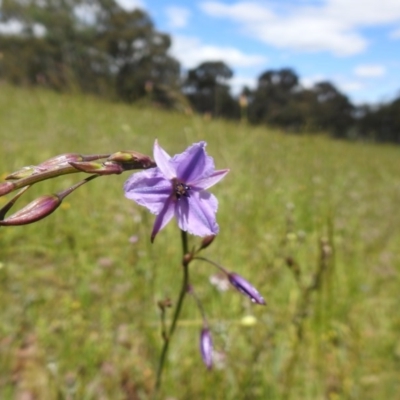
(97,47)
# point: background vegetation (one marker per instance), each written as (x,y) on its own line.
(312,222)
(97,47)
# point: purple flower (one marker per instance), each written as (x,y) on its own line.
(206,347)
(177,187)
(246,288)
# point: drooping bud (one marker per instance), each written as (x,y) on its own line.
(90,167)
(34,211)
(6,187)
(246,288)
(206,241)
(206,347)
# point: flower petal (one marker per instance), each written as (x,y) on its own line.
(193,164)
(148,188)
(163,217)
(211,180)
(162,158)
(246,288)
(206,347)
(196,214)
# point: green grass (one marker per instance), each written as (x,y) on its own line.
(79,318)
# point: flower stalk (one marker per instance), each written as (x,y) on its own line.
(63,164)
(70,163)
(167,337)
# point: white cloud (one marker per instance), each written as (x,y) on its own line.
(395,34)
(350,86)
(178,17)
(363,12)
(130,5)
(191,52)
(369,71)
(330,25)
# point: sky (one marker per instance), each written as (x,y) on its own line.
(355,44)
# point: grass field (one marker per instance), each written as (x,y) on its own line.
(313,223)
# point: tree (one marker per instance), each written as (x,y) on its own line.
(380,123)
(207,89)
(137,53)
(93,45)
(333,110)
(274,100)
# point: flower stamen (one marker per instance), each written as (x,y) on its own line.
(181,189)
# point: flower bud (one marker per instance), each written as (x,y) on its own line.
(206,241)
(22,173)
(6,187)
(90,167)
(246,288)
(132,160)
(34,211)
(60,160)
(206,347)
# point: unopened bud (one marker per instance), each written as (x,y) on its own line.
(60,160)
(6,187)
(132,160)
(206,347)
(91,167)
(206,241)
(246,288)
(34,211)
(22,173)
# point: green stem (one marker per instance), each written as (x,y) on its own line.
(182,294)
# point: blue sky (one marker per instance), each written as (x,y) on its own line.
(353,43)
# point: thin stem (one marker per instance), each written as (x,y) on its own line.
(220,267)
(199,306)
(8,206)
(42,176)
(182,294)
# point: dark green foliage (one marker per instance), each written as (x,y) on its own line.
(273,101)
(280,100)
(207,89)
(93,46)
(382,123)
(333,109)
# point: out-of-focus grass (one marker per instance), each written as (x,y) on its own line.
(313,223)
